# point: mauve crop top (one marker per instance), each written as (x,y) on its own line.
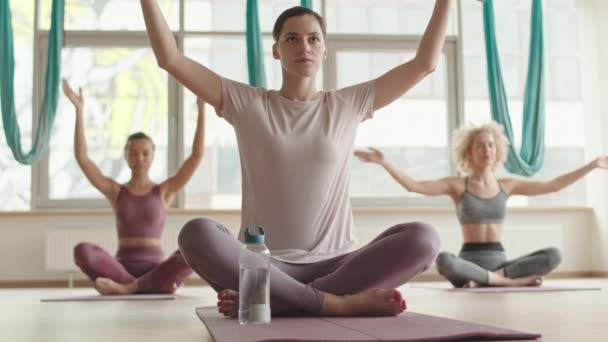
(140,216)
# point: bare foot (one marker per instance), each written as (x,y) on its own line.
(169,290)
(471,284)
(498,279)
(527,281)
(228,303)
(368,303)
(107,286)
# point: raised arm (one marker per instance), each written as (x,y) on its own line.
(444,186)
(394,83)
(105,185)
(199,79)
(515,186)
(174,184)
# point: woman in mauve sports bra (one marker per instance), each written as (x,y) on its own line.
(480,200)
(140,207)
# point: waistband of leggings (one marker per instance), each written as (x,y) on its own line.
(481,246)
(127,252)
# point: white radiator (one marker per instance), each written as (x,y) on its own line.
(60,242)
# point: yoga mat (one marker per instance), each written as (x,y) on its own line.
(542,288)
(97,297)
(408,327)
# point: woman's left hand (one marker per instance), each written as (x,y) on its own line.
(602,162)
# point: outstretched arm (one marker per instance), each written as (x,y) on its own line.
(534,188)
(399,80)
(174,184)
(430,188)
(105,185)
(199,79)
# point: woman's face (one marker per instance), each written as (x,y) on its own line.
(140,154)
(301,46)
(483,151)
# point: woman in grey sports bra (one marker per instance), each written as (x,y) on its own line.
(480,200)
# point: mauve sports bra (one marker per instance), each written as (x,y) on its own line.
(140,216)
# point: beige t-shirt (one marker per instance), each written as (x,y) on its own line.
(295,158)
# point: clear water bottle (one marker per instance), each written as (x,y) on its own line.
(254,278)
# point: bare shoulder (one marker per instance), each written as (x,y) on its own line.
(164,187)
(508,183)
(112,196)
(456,186)
(454,181)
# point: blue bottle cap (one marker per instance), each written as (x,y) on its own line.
(258,238)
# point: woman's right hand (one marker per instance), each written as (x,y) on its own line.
(76,99)
(371,156)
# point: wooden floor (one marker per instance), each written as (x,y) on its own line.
(571,316)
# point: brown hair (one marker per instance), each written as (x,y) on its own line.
(139,136)
(295,11)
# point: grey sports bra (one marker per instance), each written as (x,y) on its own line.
(472,209)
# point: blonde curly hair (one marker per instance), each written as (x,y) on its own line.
(462,141)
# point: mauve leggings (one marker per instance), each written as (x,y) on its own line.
(142,263)
(393,258)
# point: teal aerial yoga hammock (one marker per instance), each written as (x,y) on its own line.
(531,155)
(7,91)
(306,3)
(255,50)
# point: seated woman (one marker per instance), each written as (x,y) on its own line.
(295,144)
(481,203)
(140,207)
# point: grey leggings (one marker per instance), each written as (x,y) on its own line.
(393,258)
(476,259)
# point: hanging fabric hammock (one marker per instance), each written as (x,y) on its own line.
(46,117)
(531,155)
(255,48)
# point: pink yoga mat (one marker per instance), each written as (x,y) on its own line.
(543,288)
(408,327)
(97,297)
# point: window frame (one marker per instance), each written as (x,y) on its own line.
(348,42)
(94,39)
(176,146)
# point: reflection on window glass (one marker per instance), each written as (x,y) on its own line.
(124,92)
(113,15)
(412,131)
(15,183)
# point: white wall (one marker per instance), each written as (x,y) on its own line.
(22,247)
(594,67)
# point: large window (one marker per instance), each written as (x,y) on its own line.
(564,116)
(15,179)
(107,15)
(405,17)
(412,131)
(108,54)
(124,92)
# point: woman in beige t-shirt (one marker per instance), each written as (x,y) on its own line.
(295,146)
